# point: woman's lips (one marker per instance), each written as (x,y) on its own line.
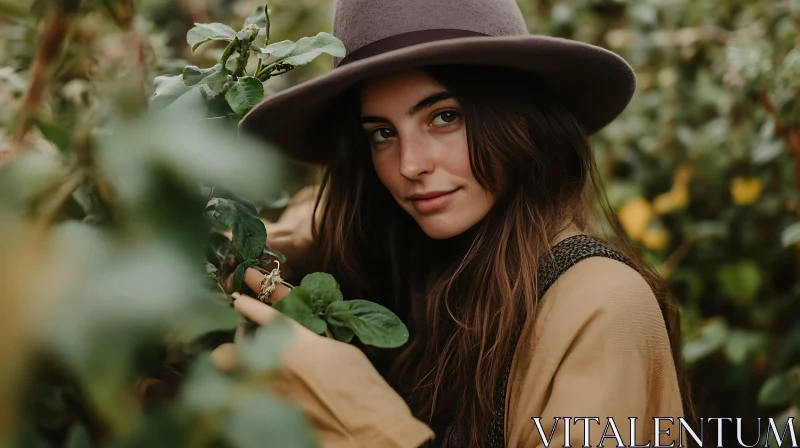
(433,204)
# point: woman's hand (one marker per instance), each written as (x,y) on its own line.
(224,356)
(333,383)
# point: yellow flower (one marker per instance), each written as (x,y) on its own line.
(655,238)
(678,196)
(745,191)
(682,177)
(668,202)
(635,216)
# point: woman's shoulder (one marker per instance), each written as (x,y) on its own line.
(600,289)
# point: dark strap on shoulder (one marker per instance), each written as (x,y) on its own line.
(565,254)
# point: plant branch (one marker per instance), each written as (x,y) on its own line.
(268,71)
(241,60)
(51,210)
(266,17)
(228,51)
(258,68)
(676,257)
(55,32)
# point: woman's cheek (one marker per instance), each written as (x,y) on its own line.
(385,169)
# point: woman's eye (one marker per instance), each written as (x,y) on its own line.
(379,135)
(445,118)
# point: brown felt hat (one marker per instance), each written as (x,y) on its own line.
(383,36)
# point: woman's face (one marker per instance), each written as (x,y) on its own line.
(419,149)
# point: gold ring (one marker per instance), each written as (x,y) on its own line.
(269,284)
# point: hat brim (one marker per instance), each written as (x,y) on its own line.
(594,84)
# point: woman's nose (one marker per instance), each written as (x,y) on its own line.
(415,158)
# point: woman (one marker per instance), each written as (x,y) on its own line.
(458,186)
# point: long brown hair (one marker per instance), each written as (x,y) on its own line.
(463,298)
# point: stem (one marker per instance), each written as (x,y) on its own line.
(228,50)
(258,68)
(139,99)
(280,73)
(52,208)
(328,333)
(55,32)
(241,60)
(267,73)
(266,16)
(676,257)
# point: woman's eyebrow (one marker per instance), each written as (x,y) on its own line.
(426,102)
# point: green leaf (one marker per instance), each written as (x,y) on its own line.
(173,142)
(258,17)
(78,438)
(249,232)
(303,51)
(318,282)
(262,352)
(203,32)
(249,236)
(276,50)
(238,274)
(373,324)
(211,81)
(172,424)
(323,290)
(261,420)
(775,391)
(212,312)
(274,254)
(307,49)
(55,134)
(296,306)
(339,332)
(193,75)
(711,339)
(790,235)
(207,389)
(741,281)
(741,344)
(167,90)
(244,94)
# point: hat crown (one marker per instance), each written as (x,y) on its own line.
(358,23)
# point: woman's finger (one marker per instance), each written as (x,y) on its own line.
(224,357)
(253,309)
(253,278)
(239,334)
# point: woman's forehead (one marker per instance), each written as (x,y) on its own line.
(397,90)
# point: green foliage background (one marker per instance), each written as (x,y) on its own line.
(702,168)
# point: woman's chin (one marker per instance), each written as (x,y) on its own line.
(441,230)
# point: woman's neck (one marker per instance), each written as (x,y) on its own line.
(461,243)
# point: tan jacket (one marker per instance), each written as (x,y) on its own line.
(598,347)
